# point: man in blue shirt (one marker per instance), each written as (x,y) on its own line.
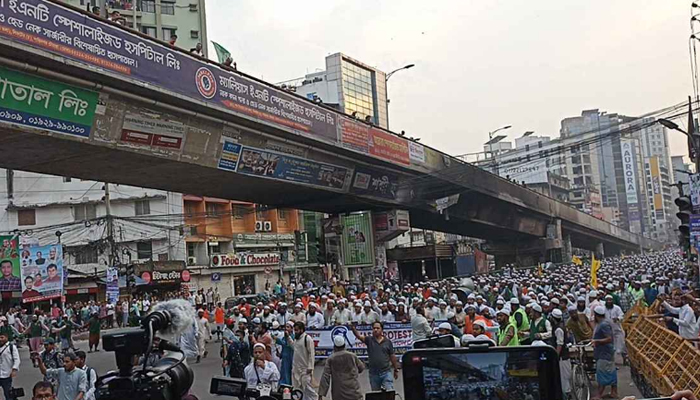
(604,354)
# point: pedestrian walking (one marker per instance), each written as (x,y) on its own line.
(342,369)
(286,342)
(35,333)
(72,381)
(94,328)
(9,364)
(237,356)
(382,359)
(203,335)
(51,358)
(303,361)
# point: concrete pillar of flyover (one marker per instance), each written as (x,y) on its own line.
(600,250)
(566,250)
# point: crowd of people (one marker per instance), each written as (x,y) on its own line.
(266,341)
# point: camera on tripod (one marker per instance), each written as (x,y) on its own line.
(169,379)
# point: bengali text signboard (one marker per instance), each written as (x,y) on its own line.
(51,27)
(388,147)
(374,183)
(44,104)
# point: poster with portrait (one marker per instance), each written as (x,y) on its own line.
(42,273)
(9,264)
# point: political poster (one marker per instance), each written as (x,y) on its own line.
(358,247)
(9,264)
(42,273)
(400,335)
(112,285)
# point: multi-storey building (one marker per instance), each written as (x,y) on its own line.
(350,86)
(243,248)
(160,19)
(46,210)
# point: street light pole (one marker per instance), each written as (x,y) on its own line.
(693,142)
(493,159)
(386,89)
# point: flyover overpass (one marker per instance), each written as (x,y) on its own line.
(82,97)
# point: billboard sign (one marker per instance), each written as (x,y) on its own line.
(375,183)
(9,264)
(48,26)
(358,247)
(112,285)
(272,165)
(695,191)
(42,273)
(656,186)
(43,104)
(388,147)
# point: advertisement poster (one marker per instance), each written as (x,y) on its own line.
(358,249)
(112,285)
(656,186)
(9,264)
(42,273)
(400,335)
(44,104)
(288,168)
(388,147)
(354,135)
(375,183)
(230,154)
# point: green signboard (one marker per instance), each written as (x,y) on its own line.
(40,103)
(358,248)
(9,253)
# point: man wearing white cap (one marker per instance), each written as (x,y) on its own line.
(593,302)
(604,354)
(299,315)
(343,369)
(342,315)
(314,319)
(260,371)
(614,314)
(507,332)
(518,316)
(303,361)
(369,316)
(283,315)
(446,329)
(385,315)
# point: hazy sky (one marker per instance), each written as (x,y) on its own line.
(480,64)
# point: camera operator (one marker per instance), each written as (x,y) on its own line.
(261,371)
(72,381)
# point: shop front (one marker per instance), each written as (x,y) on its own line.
(418,263)
(160,277)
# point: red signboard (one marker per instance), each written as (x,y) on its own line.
(354,135)
(388,147)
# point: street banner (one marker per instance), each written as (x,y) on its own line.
(400,335)
(374,182)
(695,192)
(42,273)
(357,239)
(9,264)
(695,232)
(44,104)
(595,266)
(388,147)
(113,285)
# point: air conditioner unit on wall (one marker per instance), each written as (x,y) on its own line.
(191,260)
(267,227)
(258,226)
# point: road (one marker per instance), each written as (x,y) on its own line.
(210,366)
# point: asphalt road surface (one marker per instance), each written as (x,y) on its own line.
(103,361)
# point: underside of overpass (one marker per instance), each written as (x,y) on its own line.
(506,214)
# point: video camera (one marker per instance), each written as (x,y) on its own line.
(169,379)
(236,387)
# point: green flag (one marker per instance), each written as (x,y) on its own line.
(221,52)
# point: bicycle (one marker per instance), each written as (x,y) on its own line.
(582,369)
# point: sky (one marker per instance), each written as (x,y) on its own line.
(480,64)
